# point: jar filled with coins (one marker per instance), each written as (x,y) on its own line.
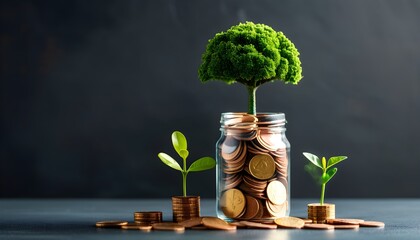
(252,176)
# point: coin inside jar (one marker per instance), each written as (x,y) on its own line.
(232,203)
(252,207)
(276,192)
(262,166)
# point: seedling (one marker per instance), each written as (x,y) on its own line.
(250,54)
(327,172)
(179,142)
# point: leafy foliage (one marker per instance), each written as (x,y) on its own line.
(179,142)
(251,54)
(326,173)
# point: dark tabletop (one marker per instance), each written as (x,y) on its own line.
(75,219)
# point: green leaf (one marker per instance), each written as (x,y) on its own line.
(314,172)
(179,142)
(168,160)
(202,164)
(313,158)
(183,153)
(328,175)
(334,160)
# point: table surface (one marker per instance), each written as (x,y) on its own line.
(75,219)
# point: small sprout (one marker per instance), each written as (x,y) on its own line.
(327,172)
(180,145)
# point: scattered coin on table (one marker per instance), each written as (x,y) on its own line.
(110,224)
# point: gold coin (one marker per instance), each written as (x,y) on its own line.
(321,213)
(276,192)
(168,226)
(372,224)
(137,226)
(262,166)
(111,224)
(217,223)
(289,222)
(232,203)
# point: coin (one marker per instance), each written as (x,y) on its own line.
(277,210)
(232,203)
(306,220)
(320,213)
(137,226)
(262,166)
(252,207)
(250,224)
(217,223)
(344,221)
(348,226)
(168,226)
(110,224)
(270,141)
(191,222)
(289,222)
(319,226)
(184,208)
(148,217)
(276,192)
(372,224)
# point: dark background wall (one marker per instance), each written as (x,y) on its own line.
(91,91)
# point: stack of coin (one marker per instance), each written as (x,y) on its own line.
(185,208)
(321,213)
(254,170)
(147,217)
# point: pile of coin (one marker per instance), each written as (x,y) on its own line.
(321,213)
(147,217)
(185,207)
(254,169)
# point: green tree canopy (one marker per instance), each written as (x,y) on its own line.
(251,54)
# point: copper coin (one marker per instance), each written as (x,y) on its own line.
(201,227)
(217,223)
(110,224)
(168,226)
(249,224)
(372,224)
(151,213)
(137,226)
(232,203)
(196,221)
(289,222)
(252,207)
(238,224)
(348,226)
(276,192)
(319,226)
(277,210)
(344,221)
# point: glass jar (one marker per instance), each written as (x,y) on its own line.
(252,173)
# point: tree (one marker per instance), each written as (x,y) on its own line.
(251,54)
